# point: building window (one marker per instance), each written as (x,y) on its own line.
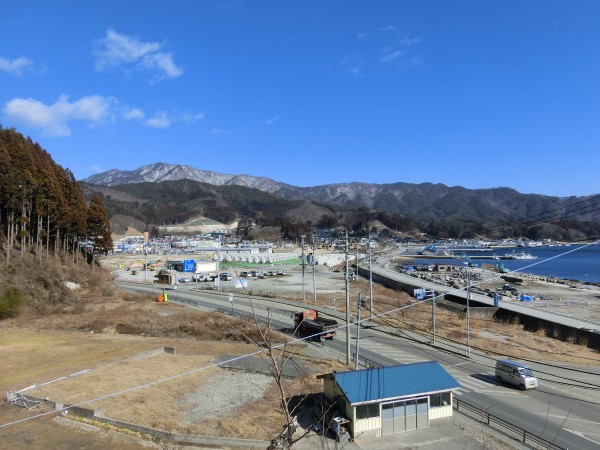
(367,411)
(439,400)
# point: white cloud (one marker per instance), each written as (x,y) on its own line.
(387,46)
(118,49)
(218,131)
(161,62)
(354,63)
(54,119)
(15,66)
(408,41)
(132,113)
(96,169)
(356,72)
(416,61)
(160,120)
(389,54)
(272,120)
(191,118)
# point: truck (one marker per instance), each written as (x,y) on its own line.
(308,323)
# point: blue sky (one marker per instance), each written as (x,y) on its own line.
(479,94)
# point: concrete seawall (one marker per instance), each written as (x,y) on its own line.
(561,327)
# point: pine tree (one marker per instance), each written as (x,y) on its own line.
(98,225)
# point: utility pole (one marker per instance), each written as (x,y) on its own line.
(370,282)
(358,331)
(468,312)
(313,270)
(347,306)
(218,279)
(433,319)
(303,288)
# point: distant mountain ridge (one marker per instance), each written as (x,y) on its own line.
(155,173)
(422,203)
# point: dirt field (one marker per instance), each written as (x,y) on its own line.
(43,349)
(115,363)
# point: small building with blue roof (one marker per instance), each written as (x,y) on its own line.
(394,399)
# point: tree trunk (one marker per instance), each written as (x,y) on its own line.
(38,241)
(9,220)
(48,238)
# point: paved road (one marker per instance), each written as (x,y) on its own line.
(560,410)
(381,269)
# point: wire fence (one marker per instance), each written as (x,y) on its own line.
(524,437)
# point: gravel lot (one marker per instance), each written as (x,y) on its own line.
(216,398)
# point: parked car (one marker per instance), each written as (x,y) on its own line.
(243,274)
(224,276)
(509,288)
(201,277)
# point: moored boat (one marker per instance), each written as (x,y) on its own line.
(520,255)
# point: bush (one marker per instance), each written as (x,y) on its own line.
(10,303)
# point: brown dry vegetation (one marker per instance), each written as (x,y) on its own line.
(60,332)
(79,330)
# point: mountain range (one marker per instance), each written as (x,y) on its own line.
(423,204)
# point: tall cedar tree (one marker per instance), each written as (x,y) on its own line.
(41,204)
(98,225)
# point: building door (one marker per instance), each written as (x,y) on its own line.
(406,415)
(387,419)
(422,413)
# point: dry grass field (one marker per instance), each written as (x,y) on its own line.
(110,339)
(107,331)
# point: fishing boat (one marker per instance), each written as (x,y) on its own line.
(520,255)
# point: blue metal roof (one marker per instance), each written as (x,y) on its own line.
(405,380)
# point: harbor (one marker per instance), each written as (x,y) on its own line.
(574,262)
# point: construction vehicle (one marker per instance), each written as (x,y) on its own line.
(500,268)
(308,323)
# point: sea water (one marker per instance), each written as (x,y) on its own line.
(572,262)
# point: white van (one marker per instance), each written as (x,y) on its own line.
(516,373)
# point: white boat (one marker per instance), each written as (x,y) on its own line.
(519,255)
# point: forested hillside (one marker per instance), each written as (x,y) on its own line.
(42,206)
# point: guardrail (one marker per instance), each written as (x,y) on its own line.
(524,437)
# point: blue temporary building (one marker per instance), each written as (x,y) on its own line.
(382,383)
(393,399)
(188,265)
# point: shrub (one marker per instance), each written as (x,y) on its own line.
(10,303)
